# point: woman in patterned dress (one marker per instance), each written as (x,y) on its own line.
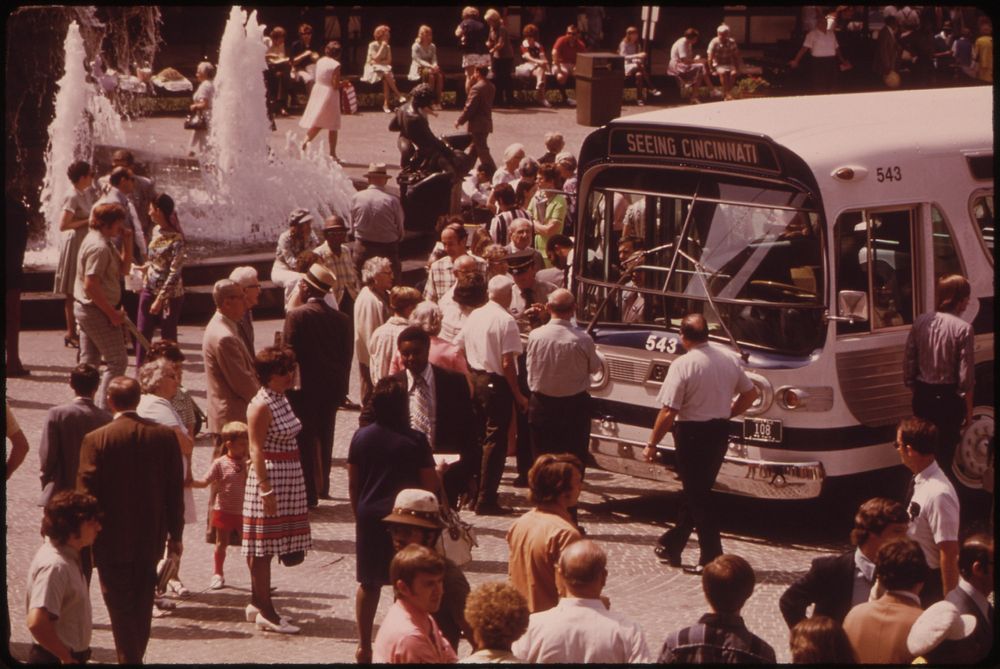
(73,228)
(275,515)
(162,291)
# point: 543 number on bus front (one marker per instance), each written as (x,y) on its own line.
(661,344)
(891,173)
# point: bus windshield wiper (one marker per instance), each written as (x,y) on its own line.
(702,273)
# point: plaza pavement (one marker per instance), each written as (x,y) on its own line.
(623,514)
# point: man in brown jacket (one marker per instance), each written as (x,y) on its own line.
(134,468)
(478,113)
(229,368)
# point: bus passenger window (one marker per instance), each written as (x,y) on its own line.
(892,268)
(946,260)
(982,213)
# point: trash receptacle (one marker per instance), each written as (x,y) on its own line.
(600,82)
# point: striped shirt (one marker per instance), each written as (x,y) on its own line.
(940,350)
(718,638)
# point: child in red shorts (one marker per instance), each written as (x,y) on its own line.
(230,473)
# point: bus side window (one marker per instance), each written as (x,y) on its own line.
(851,234)
(982,214)
(946,260)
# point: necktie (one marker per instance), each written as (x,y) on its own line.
(526,296)
(909,491)
(420,416)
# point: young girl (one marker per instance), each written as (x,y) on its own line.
(230,473)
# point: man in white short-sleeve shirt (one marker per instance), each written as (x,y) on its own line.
(821,44)
(492,343)
(697,399)
(933,507)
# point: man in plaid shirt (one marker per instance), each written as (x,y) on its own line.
(336,255)
(442,271)
(720,637)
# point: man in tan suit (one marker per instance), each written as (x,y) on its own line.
(478,113)
(877,629)
(229,368)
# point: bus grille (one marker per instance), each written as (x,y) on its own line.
(871,381)
(627,369)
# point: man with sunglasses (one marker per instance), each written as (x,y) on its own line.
(933,507)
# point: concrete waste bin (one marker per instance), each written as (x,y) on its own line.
(600,82)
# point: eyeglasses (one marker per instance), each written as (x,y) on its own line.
(305,32)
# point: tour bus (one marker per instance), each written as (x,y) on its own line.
(810,232)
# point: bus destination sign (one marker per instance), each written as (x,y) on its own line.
(721,150)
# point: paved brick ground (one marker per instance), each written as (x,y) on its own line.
(619,512)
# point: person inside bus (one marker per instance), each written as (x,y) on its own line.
(633,302)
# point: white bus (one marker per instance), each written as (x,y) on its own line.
(810,232)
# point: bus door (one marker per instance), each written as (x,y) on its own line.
(875,254)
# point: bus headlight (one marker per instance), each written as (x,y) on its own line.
(599,379)
(765,394)
(798,398)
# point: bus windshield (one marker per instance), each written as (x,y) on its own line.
(747,254)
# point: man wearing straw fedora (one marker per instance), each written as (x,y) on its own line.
(321,337)
(377,221)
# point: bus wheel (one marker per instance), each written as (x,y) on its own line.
(973,462)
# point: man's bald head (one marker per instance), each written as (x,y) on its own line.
(500,289)
(561,303)
(583,567)
(465,264)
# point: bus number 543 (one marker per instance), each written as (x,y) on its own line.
(661,344)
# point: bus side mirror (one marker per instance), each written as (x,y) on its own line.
(852,305)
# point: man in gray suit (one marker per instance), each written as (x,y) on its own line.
(229,369)
(65,427)
(975,583)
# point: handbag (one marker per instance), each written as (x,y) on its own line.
(195,121)
(457,538)
(292,559)
(348,98)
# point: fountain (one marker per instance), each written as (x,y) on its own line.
(83,118)
(240,192)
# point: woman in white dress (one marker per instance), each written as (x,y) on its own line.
(323,109)
(378,67)
(424,63)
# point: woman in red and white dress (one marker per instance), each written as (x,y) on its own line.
(275,510)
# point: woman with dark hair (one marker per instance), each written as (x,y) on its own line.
(548,207)
(59,615)
(820,640)
(74,219)
(323,109)
(384,458)
(275,512)
(162,291)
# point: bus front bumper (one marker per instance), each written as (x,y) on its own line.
(738,475)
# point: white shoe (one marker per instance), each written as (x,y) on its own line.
(252,612)
(176,587)
(655,92)
(161,613)
(281,628)
(546,103)
(571,102)
(218,582)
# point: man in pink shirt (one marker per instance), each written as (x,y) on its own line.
(409,635)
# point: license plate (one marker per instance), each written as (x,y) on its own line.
(762,429)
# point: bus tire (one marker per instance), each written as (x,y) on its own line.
(973,461)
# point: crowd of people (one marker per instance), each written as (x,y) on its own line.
(487,351)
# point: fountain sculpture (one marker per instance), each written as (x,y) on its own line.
(244,190)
